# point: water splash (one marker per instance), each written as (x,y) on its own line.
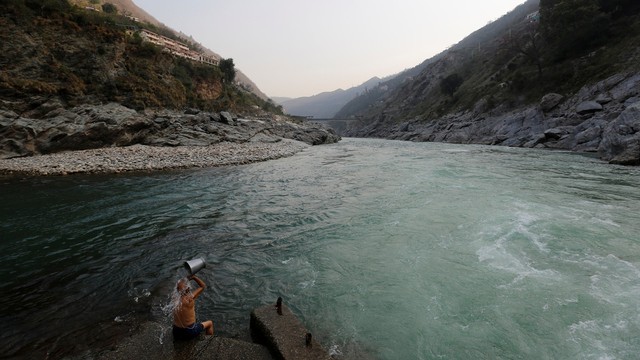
(175,300)
(139,294)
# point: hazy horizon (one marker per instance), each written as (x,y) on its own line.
(295,48)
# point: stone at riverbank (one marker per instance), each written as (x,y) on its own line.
(153,341)
(278,335)
(601,118)
(149,158)
(55,129)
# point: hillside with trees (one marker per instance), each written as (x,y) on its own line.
(52,49)
(541,47)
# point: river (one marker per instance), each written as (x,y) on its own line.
(385,249)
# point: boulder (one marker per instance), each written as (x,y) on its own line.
(603,99)
(554,134)
(629,156)
(192,111)
(589,135)
(588,107)
(550,101)
(621,137)
(626,88)
(226,118)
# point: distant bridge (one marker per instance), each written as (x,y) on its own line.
(332,119)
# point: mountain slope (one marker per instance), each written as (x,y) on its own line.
(52,51)
(565,77)
(326,104)
(413,83)
(129,8)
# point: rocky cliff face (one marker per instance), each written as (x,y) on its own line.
(97,126)
(602,118)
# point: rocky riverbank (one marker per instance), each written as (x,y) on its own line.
(602,118)
(148,158)
(52,140)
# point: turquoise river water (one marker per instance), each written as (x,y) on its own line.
(386,250)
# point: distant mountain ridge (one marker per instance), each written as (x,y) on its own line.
(325,105)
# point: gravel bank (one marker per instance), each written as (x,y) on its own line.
(148,158)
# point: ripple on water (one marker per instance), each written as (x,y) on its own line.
(385,249)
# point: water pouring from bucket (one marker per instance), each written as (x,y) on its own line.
(183,311)
(195,265)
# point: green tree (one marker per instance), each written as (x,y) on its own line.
(49,7)
(530,44)
(228,70)
(618,8)
(572,27)
(451,83)
(109,8)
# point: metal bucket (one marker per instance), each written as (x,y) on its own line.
(195,265)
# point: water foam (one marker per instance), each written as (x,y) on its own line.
(510,251)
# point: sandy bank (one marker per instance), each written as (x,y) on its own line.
(149,158)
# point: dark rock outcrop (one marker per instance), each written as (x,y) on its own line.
(588,107)
(89,127)
(550,101)
(621,138)
(602,118)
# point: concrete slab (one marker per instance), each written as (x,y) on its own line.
(284,334)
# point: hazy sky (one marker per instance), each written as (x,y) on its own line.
(299,48)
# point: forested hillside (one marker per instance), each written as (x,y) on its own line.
(515,60)
(51,50)
(564,77)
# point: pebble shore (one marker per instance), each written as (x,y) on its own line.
(148,158)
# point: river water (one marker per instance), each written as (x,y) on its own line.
(386,250)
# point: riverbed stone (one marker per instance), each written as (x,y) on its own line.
(227,118)
(621,138)
(146,158)
(588,107)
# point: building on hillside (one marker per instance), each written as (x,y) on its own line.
(165,42)
(176,48)
(208,59)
